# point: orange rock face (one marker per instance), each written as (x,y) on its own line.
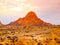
(30,20)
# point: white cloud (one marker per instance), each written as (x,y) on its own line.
(15,9)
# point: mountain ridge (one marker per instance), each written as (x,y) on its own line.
(30,19)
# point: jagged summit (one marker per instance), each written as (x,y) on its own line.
(31,14)
(30,20)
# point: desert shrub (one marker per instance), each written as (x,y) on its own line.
(6,43)
(39,43)
(2,39)
(57,40)
(1,44)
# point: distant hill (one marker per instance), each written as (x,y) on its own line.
(1,24)
(30,19)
